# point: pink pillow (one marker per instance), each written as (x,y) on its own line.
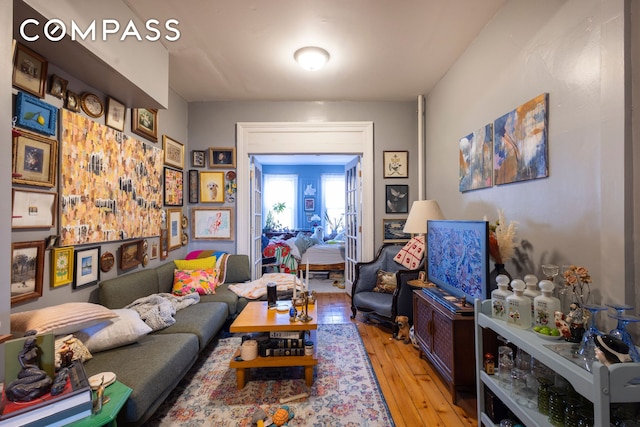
(411,254)
(190,281)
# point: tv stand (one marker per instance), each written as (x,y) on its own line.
(446,339)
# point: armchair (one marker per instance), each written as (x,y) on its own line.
(385,306)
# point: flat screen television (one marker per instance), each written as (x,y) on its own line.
(458,257)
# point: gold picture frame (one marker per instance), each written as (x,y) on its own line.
(211,187)
(92,105)
(222,157)
(58,86)
(61,266)
(144,122)
(34,160)
(174,228)
(130,254)
(212,224)
(29,71)
(173,152)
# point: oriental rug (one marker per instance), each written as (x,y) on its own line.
(345,391)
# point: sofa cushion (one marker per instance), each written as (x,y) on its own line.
(189,281)
(152,367)
(60,319)
(223,294)
(204,320)
(123,290)
(196,264)
(377,302)
(238,269)
(127,328)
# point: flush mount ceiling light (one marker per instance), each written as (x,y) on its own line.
(311,57)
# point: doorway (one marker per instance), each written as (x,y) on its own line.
(304,138)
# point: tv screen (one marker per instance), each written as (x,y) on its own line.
(458,257)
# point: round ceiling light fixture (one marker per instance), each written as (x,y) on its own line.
(311,58)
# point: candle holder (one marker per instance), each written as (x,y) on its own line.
(304,316)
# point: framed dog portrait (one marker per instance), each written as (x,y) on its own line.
(211,187)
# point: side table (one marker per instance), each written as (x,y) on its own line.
(417,283)
(118,394)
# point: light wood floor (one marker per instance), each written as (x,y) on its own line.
(414,392)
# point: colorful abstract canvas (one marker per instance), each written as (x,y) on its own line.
(520,146)
(476,167)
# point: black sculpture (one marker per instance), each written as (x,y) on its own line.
(32,382)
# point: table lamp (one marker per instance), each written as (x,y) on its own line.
(421,211)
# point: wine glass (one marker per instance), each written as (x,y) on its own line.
(550,271)
(622,333)
(588,344)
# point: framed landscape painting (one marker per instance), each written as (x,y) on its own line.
(27,270)
(87,267)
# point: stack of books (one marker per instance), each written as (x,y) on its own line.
(282,343)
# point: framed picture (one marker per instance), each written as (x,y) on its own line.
(72,102)
(222,157)
(36,115)
(87,267)
(397,199)
(309,204)
(173,187)
(58,86)
(396,164)
(33,209)
(212,224)
(211,187)
(92,105)
(61,266)
(115,114)
(194,186)
(29,71)
(144,122)
(392,230)
(174,228)
(34,160)
(27,270)
(164,244)
(173,152)
(198,158)
(155,250)
(130,254)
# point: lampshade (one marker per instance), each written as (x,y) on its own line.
(311,57)
(421,211)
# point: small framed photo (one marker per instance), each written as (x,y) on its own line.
(87,267)
(194,186)
(72,102)
(115,114)
(164,244)
(173,152)
(33,209)
(309,204)
(58,86)
(211,187)
(144,122)
(173,187)
(396,164)
(422,276)
(61,266)
(222,157)
(392,230)
(397,199)
(198,158)
(34,160)
(174,228)
(212,224)
(27,270)
(29,71)
(36,115)
(154,250)
(130,254)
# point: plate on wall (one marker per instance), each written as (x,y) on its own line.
(92,105)
(106,261)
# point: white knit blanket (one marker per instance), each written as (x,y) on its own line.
(157,310)
(258,288)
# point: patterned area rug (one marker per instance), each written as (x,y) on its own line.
(345,391)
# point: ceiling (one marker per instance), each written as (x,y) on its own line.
(381,50)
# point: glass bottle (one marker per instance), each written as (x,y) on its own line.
(518,306)
(572,412)
(499,298)
(545,305)
(556,406)
(531,289)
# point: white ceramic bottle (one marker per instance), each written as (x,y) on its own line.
(518,306)
(545,305)
(531,289)
(499,298)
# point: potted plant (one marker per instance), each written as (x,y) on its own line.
(271,223)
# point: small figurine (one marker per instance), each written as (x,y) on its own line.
(610,350)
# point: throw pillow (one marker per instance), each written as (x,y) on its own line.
(189,281)
(411,254)
(196,264)
(60,319)
(385,282)
(125,329)
(69,342)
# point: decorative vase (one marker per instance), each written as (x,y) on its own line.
(497,270)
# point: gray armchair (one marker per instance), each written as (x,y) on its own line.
(383,306)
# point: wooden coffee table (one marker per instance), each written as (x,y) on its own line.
(256,317)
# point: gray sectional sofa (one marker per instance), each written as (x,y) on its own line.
(155,364)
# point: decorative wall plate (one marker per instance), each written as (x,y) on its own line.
(185,221)
(145,260)
(92,105)
(185,239)
(106,261)
(145,246)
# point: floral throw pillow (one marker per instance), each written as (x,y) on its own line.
(189,281)
(385,282)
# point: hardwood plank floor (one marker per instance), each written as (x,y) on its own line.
(414,392)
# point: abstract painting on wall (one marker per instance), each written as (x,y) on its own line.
(520,149)
(476,167)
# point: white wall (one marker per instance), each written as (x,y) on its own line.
(573,50)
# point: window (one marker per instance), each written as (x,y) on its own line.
(333,194)
(279,189)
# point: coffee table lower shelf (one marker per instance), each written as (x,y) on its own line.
(241,366)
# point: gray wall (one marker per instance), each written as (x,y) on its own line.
(212,124)
(581,213)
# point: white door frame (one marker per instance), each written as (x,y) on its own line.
(255,138)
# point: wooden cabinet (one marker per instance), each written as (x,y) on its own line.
(447,341)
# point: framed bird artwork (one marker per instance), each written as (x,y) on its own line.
(397,199)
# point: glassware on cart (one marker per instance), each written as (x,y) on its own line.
(588,345)
(505,365)
(621,332)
